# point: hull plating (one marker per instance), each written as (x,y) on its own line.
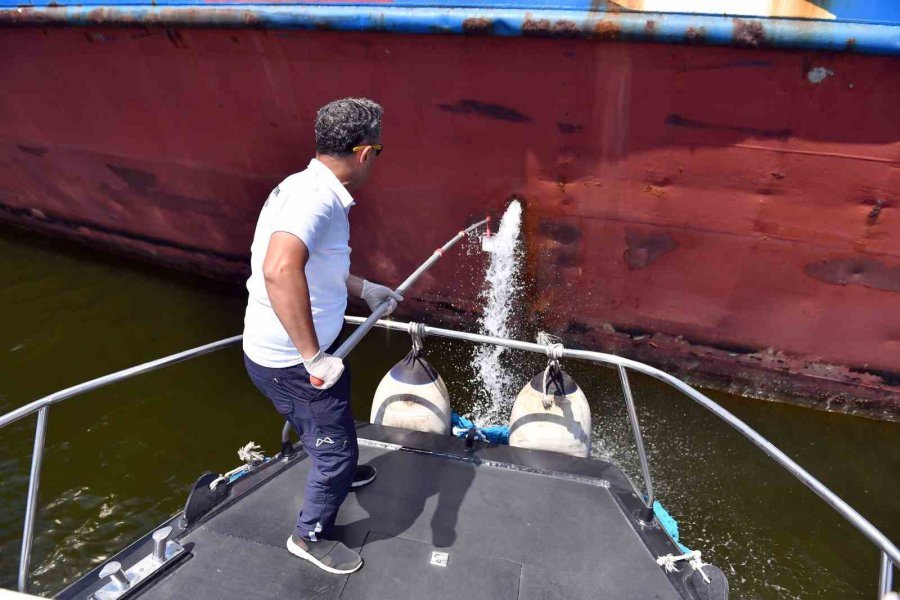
(733,204)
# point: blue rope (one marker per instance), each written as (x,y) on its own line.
(669,524)
(498,434)
(239,474)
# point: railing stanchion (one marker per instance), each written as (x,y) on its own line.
(646,514)
(34,483)
(885,575)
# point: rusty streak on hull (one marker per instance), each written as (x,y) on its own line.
(734,197)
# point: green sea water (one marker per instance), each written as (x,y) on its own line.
(120,460)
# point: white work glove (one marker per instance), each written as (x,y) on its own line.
(325,368)
(375,294)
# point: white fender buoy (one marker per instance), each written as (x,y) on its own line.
(413,396)
(564,427)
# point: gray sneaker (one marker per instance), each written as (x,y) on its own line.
(328,555)
(364,475)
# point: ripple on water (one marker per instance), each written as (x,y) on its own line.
(79,526)
(717,506)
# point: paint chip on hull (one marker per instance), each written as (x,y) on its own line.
(485,109)
(33,150)
(139,180)
(749,33)
(562,233)
(478,26)
(544,27)
(644,249)
(872,217)
(675,120)
(866,272)
(695,35)
(655,190)
(818,74)
(568,128)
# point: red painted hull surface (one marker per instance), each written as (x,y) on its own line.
(711,210)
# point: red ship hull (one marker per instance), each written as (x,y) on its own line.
(727,213)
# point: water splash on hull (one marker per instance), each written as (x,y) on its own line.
(501,295)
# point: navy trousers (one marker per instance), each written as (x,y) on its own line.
(325,424)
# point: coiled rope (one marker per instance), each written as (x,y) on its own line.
(250,454)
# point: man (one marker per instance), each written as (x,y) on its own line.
(300,278)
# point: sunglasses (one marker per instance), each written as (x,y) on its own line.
(376,147)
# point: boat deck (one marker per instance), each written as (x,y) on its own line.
(514,523)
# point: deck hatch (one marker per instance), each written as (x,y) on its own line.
(402,569)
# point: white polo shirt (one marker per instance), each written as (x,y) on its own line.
(314,206)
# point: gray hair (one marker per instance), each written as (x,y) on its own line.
(343,124)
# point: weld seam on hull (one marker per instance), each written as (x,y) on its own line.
(887,161)
(769,237)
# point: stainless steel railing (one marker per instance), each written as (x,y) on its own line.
(890,556)
(42,407)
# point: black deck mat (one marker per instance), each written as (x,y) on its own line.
(571,538)
(223,567)
(402,569)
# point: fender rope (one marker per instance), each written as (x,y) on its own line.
(250,454)
(416,332)
(554,352)
(668,561)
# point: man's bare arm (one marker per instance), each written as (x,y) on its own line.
(355,286)
(285,277)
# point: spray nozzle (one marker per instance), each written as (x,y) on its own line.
(487,240)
